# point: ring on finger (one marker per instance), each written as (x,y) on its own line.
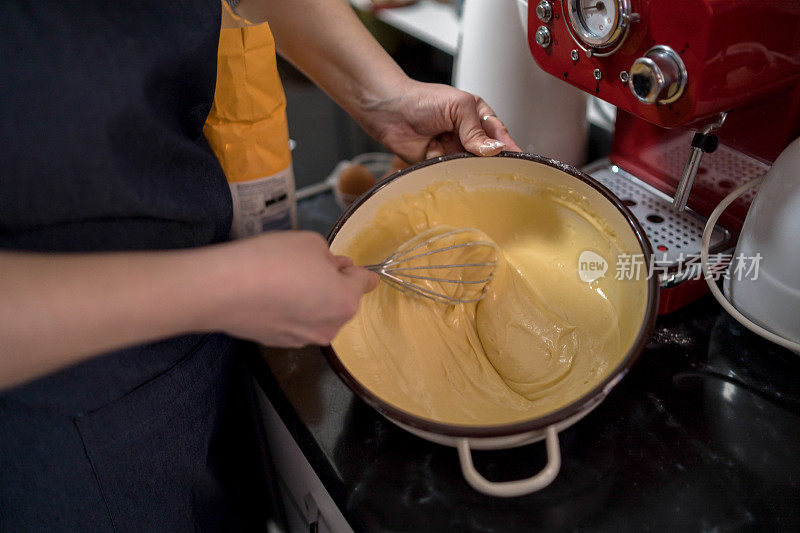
(484,118)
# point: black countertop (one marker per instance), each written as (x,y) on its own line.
(704,433)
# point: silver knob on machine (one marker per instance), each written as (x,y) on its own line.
(544,11)
(658,77)
(542,36)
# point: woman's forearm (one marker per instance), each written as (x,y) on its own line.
(326,40)
(56,310)
(280,288)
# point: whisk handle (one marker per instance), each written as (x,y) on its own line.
(377,268)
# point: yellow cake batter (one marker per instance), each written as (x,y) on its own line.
(539,339)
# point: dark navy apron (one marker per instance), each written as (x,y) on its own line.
(102,106)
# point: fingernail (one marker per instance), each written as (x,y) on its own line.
(491,147)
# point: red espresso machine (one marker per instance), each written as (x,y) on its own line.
(707,95)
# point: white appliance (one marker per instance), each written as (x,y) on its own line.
(764,276)
(544,115)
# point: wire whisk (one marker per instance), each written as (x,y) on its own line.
(466,256)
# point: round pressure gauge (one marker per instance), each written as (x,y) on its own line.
(598,24)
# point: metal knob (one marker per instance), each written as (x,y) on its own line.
(542,37)
(658,77)
(544,11)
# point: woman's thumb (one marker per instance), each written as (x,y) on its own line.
(435,149)
(471,132)
(360,279)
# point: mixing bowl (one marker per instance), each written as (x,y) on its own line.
(636,303)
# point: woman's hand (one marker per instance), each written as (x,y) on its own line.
(286,289)
(427,120)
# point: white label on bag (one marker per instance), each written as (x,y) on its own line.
(264,204)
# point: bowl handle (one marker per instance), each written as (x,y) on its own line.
(506,489)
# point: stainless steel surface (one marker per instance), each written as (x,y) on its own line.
(598,74)
(574,55)
(676,237)
(684,187)
(658,77)
(687,179)
(544,10)
(623,76)
(399,271)
(645,80)
(542,37)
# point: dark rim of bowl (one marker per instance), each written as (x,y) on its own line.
(582,404)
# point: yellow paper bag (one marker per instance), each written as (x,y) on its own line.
(247,129)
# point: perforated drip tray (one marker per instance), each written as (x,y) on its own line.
(675,237)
